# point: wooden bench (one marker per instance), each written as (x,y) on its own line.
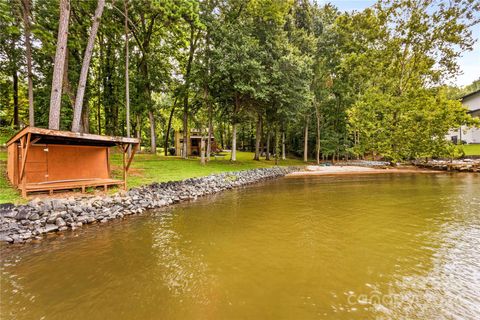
(82,184)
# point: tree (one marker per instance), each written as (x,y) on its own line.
(127,76)
(26,4)
(411,47)
(194,31)
(57,80)
(77,111)
(289,73)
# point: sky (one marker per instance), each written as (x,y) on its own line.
(469,62)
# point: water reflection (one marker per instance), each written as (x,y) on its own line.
(185,271)
(331,247)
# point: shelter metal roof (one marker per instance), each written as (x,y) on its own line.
(48,136)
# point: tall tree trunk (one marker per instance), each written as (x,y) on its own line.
(284,157)
(77,110)
(258,137)
(228,141)
(139,127)
(16,122)
(305,141)
(66,86)
(185,129)
(234,142)
(221,130)
(169,126)
(56,94)
(210,131)
(99,117)
(127,76)
(267,155)
(99,89)
(277,147)
(207,95)
(251,143)
(187,88)
(202,150)
(85,123)
(139,131)
(28,52)
(317,115)
(153,135)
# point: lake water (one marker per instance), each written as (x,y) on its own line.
(349,247)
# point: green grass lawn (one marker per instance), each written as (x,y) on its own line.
(147,168)
(471,149)
(7,192)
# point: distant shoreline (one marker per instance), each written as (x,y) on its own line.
(354,170)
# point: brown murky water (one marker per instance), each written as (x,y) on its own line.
(350,247)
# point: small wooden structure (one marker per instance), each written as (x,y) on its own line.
(47,160)
(193,142)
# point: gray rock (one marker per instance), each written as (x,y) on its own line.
(77,209)
(51,218)
(49,228)
(58,205)
(22,213)
(34,217)
(7,210)
(5,238)
(60,222)
(26,235)
(82,219)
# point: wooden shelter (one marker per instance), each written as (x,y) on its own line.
(193,142)
(47,160)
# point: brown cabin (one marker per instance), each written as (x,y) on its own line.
(47,160)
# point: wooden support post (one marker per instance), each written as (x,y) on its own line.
(125,150)
(35,140)
(21,180)
(25,146)
(119,147)
(24,143)
(131,157)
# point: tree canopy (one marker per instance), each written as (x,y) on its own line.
(253,73)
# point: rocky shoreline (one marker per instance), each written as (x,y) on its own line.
(25,223)
(464,165)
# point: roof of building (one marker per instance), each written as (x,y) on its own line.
(48,136)
(470,94)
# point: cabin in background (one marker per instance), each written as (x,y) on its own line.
(465,134)
(47,160)
(193,143)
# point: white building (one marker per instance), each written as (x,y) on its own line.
(465,134)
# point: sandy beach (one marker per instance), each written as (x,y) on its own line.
(345,170)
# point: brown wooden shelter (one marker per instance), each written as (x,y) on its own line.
(47,160)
